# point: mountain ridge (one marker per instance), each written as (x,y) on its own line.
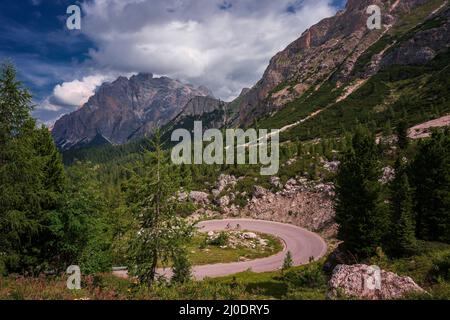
(126,109)
(332,64)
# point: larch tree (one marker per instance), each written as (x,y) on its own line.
(161,234)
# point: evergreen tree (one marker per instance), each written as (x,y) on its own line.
(31,182)
(360,210)
(181,267)
(387,129)
(430,171)
(402,236)
(402,135)
(15,105)
(161,233)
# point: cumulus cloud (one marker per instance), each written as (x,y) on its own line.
(74,93)
(48,106)
(225,45)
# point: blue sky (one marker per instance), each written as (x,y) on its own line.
(224,45)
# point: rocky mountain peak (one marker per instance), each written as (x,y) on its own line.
(126,109)
(331,47)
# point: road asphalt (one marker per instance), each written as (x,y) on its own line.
(303,245)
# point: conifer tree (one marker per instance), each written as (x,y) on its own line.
(31,181)
(402,135)
(161,233)
(402,236)
(15,104)
(360,209)
(430,172)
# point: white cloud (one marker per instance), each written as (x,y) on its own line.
(75,93)
(197,41)
(48,106)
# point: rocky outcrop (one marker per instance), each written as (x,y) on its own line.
(201,105)
(199,197)
(213,113)
(369,283)
(423,45)
(301,202)
(125,109)
(388,175)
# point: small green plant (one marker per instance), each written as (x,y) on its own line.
(181,268)
(310,276)
(288,262)
(221,240)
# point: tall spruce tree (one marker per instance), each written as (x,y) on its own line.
(402,135)
(431,180)
(161,234)
(360,210)
(31,181)
(402,240)
(15,104)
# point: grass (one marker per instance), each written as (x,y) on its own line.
(418,15)
(428,267)
(200,254)
(290,284)
(419,266)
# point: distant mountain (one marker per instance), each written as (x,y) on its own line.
(213,113)
(124,110)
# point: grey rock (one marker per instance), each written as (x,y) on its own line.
(370,283)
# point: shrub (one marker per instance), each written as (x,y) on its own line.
(441,270)
(221,240)
(288,262)
(181,268)
(311,276)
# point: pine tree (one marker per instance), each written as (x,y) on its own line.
(430,172)
(402,135)
(161,233)
(387,129)
(15,104)
(360,209)
(402,236)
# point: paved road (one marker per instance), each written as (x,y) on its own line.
(303,245)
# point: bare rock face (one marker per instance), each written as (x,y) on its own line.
(369,283)
(388,175)
(125,109)
(211,111)
(225,181)
(301,202)
(199,197)
(201,105)
(423,46)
